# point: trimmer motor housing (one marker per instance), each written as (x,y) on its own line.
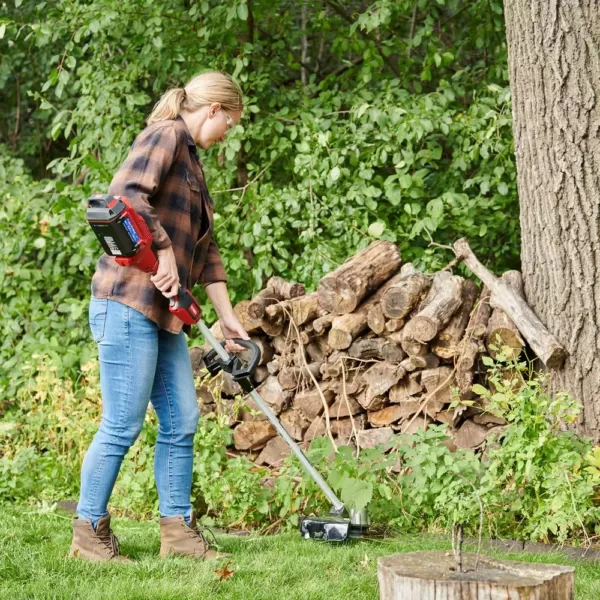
(335,528)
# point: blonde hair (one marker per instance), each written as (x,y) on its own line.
(203,89)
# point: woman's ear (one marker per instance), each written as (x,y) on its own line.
(215,107)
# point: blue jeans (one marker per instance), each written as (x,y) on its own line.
(140,362)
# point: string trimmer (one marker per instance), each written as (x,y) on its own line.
(124,235)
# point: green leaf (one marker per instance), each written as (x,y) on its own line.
(335,173)
(479,390)
(435,208)
(242,11)
(2,30)
(376,229)
(39,243)
(502,188)
(405,180)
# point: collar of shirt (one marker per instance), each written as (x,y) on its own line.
(190,141)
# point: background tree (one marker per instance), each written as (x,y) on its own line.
(555,83)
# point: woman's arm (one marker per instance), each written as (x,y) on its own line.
(230,325)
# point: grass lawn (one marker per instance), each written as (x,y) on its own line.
(33,564)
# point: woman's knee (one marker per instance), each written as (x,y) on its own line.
(120,436)
(190,418)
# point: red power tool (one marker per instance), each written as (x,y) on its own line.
(124,234)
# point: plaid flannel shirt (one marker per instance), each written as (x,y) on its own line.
(163,179)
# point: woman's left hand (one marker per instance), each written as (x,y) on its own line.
(232,328)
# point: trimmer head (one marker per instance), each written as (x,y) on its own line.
(335,528)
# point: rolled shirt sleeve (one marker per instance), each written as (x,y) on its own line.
(140,176)
(213,267)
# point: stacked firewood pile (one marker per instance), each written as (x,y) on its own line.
(379,348)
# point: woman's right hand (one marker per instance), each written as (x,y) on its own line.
(166,278)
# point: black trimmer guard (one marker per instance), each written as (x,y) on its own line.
(331,529)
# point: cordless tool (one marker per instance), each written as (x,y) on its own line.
(125,235)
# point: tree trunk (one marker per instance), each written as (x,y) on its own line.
(555,80)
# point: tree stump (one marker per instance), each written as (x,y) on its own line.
(434,576)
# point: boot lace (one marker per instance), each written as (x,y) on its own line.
(197,532)
(110,542)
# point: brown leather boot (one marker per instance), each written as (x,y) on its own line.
(177,538)
(101,544)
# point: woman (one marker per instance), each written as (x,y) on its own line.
(142,349)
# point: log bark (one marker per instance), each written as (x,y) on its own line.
(301,309)
(392,351)
(405,389)
(411,346)
(399,299)
(370,438)
(442,301)
(294,423)
(323,324)
(376,319)
(274,366)
(290,377)
(310,404)
(285,289)
(392,325)
(273,453)
(277,289)
(450,337)
(438,381)
(470,435)
(472,342)
(272,326)
(542,342)
(342,291)
(502,333)
(393,413)
(343,427)
(380,378)
(248,322)
(258,304)
(434,576)
(367,348)
(252,435)
(346,328)
(274,394)
(344,406)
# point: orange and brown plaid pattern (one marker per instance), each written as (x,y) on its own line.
(164,181)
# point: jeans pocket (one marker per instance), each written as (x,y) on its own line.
(98,308)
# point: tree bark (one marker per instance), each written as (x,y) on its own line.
(554,71)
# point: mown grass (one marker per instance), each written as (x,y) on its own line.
(34,565)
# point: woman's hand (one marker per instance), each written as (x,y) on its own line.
(232,328)
(166,278)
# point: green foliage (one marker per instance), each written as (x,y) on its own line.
(538,472)
(47,258)
(538,483)
(395,125)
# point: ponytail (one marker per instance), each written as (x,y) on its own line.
(169,105)
(203,89)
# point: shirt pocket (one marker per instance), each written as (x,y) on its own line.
(191,192)
(97,317)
